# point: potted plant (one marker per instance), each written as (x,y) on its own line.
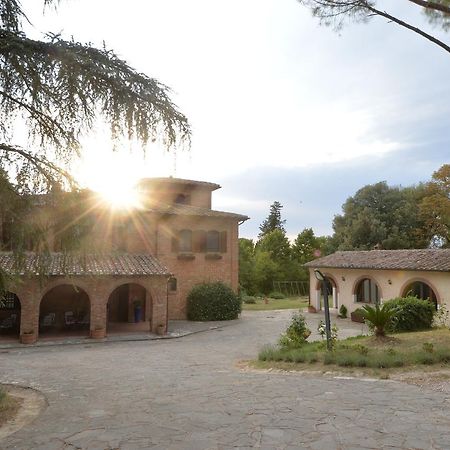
(98,333)
(28,337)
(357,315)
(137,311)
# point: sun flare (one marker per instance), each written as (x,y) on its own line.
(119,196)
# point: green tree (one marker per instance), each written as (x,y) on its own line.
(380,215)
(61,90)
(337,12)
(434,209)
(266,271)
(247,279)
(276,244)
(273,221)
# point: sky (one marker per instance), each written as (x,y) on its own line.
(281,108)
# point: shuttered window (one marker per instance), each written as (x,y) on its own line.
(185,241)
(213,241)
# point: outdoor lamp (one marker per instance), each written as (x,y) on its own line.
(323,279)
(319,275)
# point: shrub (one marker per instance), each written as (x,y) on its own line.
(212,301)
(343,312)
(249,300)
(296,333)
(441,317)
(379,317)
(411,314)
(277,295)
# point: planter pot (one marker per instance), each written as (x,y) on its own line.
(160,330)
(357,318)
(311,309)
(137,314)
(98,334)
(29,338)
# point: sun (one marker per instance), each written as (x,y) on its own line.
(118,195)
(113,176)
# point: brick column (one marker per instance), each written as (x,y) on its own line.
(98,296)
(29,294)
(158,289)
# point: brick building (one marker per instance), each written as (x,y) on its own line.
(136,268)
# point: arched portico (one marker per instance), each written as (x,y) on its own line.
(129,308)
(64,310)
(421,288)
(10,315)
(332,291)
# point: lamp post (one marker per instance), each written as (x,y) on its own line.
(323,279)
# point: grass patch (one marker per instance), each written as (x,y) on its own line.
(283,303)
(8,406)
(404,351)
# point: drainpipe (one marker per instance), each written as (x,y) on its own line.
(167,303)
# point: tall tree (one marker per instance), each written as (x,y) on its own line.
(337,12)
(434,209)
(60,89)
(273,220)
(247,279)
(381,215)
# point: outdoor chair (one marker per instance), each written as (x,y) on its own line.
(69,319)
(48,320)
(7,323)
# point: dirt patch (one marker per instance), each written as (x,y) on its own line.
(8,407)
(28,402)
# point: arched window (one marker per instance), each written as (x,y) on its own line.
(185,241)
(367,291)
(213,241)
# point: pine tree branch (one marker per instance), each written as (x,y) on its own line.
(432,6)
(409,27)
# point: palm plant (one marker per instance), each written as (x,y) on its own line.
(379,317)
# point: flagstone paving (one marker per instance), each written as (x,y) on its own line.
(188,394)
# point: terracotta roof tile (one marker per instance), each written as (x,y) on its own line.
(187,210)
(424,259)
(60,264)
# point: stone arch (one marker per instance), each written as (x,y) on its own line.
(434,296)
(10,315)
(129,302)
(64,308)
(334,292)
(375,294)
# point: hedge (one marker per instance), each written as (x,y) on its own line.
(212,301)
(412,314)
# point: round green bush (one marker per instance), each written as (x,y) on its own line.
(212,301)
(411,314)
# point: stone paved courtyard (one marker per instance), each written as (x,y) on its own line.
(188,394)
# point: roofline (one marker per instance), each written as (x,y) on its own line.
(171,180)
(407,269)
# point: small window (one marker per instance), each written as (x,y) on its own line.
(182,199)
(185,241)
(172,284)
(212,241)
